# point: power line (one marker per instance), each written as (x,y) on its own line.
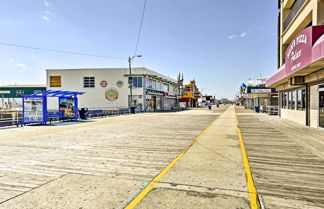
(60,51)
(140,28)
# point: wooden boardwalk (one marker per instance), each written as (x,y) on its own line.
(132,147)
(286,159)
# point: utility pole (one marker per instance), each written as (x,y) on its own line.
(131,82)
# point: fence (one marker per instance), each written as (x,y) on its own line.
(10,118)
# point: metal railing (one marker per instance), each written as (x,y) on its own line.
(294,10)
(10,118)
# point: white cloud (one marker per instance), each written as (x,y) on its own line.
(47,4)
(243,34)
(14,63)
(232,36)
(20,65)
(46,18)
(48,12)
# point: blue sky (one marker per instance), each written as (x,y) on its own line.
(219,43)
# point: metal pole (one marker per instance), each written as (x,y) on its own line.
(130,81)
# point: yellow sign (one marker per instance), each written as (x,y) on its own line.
(111,94)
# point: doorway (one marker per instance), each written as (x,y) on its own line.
(321,106)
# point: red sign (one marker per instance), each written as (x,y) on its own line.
(307,47)
(103,84)
(299,52)
(184,100)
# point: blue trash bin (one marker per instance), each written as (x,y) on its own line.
(133,110)
(257,109)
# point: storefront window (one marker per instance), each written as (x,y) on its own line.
(299,100)
(289,100)
(303,99)
(321,106)
(284,100)
(293,100)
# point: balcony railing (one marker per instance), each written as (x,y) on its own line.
(294,10)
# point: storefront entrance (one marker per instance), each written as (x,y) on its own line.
(321,106)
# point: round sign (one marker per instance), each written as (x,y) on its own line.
(120,83)
(111,94)
(103,84)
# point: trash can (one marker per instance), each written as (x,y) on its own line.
(133,110)
(82,113)
(257,109)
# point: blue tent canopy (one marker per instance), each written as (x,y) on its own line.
(35,106)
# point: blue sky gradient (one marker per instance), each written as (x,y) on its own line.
(219,43)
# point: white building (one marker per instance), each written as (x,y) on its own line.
(107,88)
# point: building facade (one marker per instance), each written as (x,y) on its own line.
(300,77)
(190,94)
(107,88)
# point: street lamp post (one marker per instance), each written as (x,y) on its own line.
(131,81)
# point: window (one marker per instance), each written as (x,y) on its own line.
(300,99)
(20,92)
(137,82)
(284,100)
(158,86)
(303,99)
(148,83)
(88,82)
(55,81)
(293,100)
(289,100)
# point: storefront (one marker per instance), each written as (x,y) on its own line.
(300,81)
(190,95)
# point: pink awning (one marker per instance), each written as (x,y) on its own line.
(304,50)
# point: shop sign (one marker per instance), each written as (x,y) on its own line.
(299,52)
(166,94)
(103,84)
(261,90)
(111,94)
(4,92)
(260,95)
(33,109)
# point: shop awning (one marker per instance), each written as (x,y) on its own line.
(304,55)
